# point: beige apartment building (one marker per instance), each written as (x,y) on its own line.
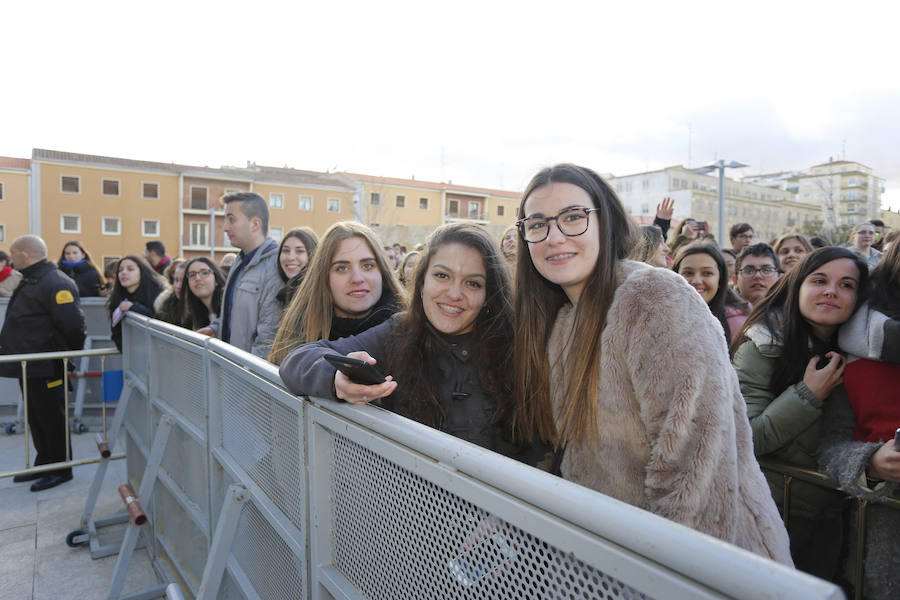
(115,205)
(405,211)
(15,180)
(771,211)
(846,192)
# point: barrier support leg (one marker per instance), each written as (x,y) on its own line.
(222,541)
(148,481)
(112,436)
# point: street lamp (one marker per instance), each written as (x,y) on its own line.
(720,166)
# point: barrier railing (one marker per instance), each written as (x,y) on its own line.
(791,473)
(64,357)
(266,495)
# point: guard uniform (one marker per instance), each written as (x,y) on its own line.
(44,315)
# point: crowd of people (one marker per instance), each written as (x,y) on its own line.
(648,363)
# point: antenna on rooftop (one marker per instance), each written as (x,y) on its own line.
(844,149)
(690,139)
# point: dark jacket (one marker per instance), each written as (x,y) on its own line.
(142,303)
(467,409)
(44,315)
(85,276)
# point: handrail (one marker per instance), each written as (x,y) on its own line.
(5,358)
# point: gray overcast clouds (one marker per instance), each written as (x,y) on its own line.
(482,93)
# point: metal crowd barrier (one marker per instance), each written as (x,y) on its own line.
(64,356)
(791,473)
(266,495)
(88,390)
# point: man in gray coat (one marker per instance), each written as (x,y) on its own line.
(250,310)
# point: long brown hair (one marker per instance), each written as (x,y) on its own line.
(87,259)
(308,317)
(414,356)
(537,302)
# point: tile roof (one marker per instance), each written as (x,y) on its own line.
(449,187)
(251,172)
(15,163)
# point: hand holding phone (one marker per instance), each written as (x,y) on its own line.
(357,381)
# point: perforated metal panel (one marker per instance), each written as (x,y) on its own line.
(263,436)
(183,386)
(185,462)
(267,561)
(184,539)
(137,416)
(399,536)
(136,348)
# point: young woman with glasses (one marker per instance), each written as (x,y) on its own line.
(665,431)
(448,358)
(789,368)
(201,295)
(861,240)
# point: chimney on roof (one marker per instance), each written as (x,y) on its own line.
(413,177)
(830,159)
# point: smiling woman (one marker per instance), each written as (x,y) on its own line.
(595,375)
(448,358)
(348,288)
(789,368)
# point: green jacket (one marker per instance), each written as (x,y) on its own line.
(787,427)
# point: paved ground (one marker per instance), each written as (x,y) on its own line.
(35,562)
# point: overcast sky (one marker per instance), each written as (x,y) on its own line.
(480,93)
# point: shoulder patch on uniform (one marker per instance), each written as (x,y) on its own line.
(64,297)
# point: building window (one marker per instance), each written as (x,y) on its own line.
(198,234)
(306,203)
(276,201)
(618,188)
(423,203)
(150,227)
(453,207)
(2,194)
(150,191)
(645,185)
(199,197)
(70,223)
(645,209)
(628,186)
(334,205)
(2,233)
(275,233)
(108,260)
(851,195)
(500,210)
(474,209)
(401,202)
(109,187)
(112,226)
(374,198)
(70,184)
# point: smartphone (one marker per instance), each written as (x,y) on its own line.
(358,371)
(897,440)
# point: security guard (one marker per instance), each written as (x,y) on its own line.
(44,315)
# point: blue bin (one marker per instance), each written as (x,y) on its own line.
(112,382)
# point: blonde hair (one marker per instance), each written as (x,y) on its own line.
(308,317)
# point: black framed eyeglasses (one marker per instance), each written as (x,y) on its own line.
(750,272)
(571,222)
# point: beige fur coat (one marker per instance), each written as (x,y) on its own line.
(674,434)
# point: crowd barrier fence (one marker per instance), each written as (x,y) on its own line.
(267,495)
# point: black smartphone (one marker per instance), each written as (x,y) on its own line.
(358,371)
(897,440)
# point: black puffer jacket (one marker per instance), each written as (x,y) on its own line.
(44,315)
(85,276)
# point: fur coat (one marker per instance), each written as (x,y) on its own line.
(674,436)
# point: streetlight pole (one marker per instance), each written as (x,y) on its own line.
(720,166)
